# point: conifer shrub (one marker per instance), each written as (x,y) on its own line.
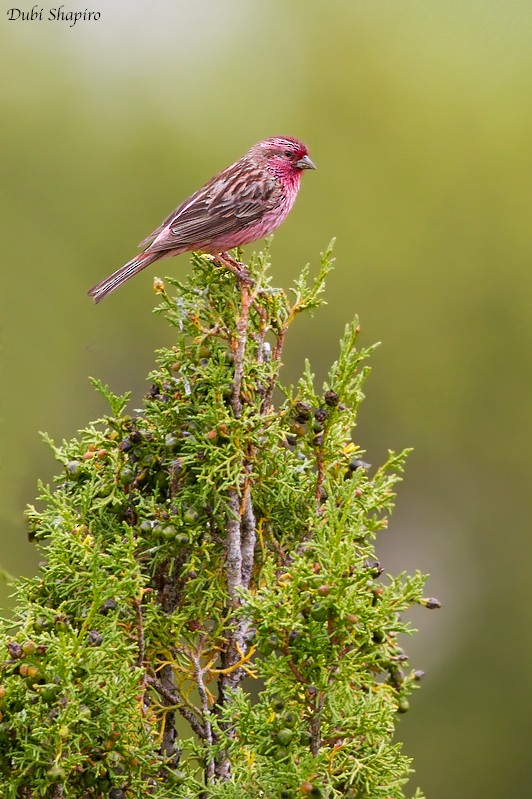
(210,619)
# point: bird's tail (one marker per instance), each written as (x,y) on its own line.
(105,287)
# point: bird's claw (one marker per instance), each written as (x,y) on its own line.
(239,269)
(244,276)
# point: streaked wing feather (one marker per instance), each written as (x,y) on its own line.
(153,235)
(234,199)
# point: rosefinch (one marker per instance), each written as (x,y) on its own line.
(245,202)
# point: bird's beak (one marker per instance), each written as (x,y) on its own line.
(305,163)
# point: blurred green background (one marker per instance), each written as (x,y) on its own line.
(419,117)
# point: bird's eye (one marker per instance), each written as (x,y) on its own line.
(288,153)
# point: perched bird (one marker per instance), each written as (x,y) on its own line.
(243,203)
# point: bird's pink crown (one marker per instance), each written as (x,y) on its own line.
(283,143)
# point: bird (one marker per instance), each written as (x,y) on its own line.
(241,204)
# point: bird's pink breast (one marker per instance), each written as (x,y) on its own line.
(264,226)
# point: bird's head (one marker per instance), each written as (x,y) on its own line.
(283,155)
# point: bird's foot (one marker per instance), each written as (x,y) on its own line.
(236,267)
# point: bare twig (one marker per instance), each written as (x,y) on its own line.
(236,267)
(249,532)
(234,547)
(315,722)
(205,709)
(240,536)
(176,701)
(141,642)
(295,671)
(241,340)
(240,530)
(263,329)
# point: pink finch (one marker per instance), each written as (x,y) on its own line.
(241,204)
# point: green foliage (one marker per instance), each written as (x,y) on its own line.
(210,619)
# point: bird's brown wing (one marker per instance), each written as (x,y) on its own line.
(148,240)
(229,202)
